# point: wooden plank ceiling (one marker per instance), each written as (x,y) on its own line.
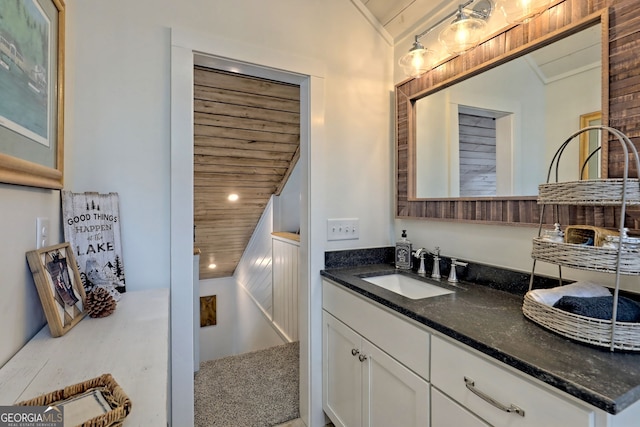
(246,142)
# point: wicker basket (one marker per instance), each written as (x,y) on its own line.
(117,399)
(623,260)
(592,258)
(584,329)
(579,234)
(599,192)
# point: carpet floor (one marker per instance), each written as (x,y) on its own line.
(257,389)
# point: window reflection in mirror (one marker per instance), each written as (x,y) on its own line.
(534,101)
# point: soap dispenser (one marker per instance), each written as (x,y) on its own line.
(403,252)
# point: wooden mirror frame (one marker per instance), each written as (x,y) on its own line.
(562,19)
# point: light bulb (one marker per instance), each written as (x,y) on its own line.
(417,61)
(462,35)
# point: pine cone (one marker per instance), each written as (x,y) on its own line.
(99,303)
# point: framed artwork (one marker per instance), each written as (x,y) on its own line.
(32,87)
(208,311)
(57,280)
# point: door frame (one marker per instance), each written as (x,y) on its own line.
(186,49)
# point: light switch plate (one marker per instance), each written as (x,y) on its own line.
(42,232)
(343,229)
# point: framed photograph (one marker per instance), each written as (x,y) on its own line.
(56,276)
(32,87)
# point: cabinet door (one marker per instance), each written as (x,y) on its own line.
(342,372)
(394,396)
(446,413)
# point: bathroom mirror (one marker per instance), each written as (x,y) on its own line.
(494,134)
(513,200)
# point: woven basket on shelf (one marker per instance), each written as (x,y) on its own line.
(110,390)
(581,328)
(589,192)
(593,258)
(580,234)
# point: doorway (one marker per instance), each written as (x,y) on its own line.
(309,74)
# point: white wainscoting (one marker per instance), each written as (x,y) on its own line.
(285,286)
(254,269)
(268,271)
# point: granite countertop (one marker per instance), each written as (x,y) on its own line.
(491,321)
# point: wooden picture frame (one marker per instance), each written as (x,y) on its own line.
(32,43)
(55,273)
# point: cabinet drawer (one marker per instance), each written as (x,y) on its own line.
(402,340)
(446,413)
(451,364)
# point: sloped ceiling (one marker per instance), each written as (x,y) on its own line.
(246,142)
(399,17)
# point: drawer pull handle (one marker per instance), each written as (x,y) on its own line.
(354,351)
(362,357)
(511,408)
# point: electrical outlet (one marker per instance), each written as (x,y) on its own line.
(343,229)
(42,232)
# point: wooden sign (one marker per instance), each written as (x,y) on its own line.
(92,227)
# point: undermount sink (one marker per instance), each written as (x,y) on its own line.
(407,286)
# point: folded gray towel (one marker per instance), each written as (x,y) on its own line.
(601,307)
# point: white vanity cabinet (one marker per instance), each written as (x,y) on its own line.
(363,385)
(410,375)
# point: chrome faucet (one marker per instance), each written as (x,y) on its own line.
(435,272)
(453,278)
(419,253)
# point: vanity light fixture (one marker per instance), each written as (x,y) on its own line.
(520,11)
(418,60)
(466,31)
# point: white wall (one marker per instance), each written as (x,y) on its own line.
(218,340)
(286,206)
(241,326)
(120,101)
(254,331)
(570,96)
(21,314)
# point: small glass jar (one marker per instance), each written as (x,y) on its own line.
(556,235)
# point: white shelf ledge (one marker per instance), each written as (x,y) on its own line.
(132,344)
